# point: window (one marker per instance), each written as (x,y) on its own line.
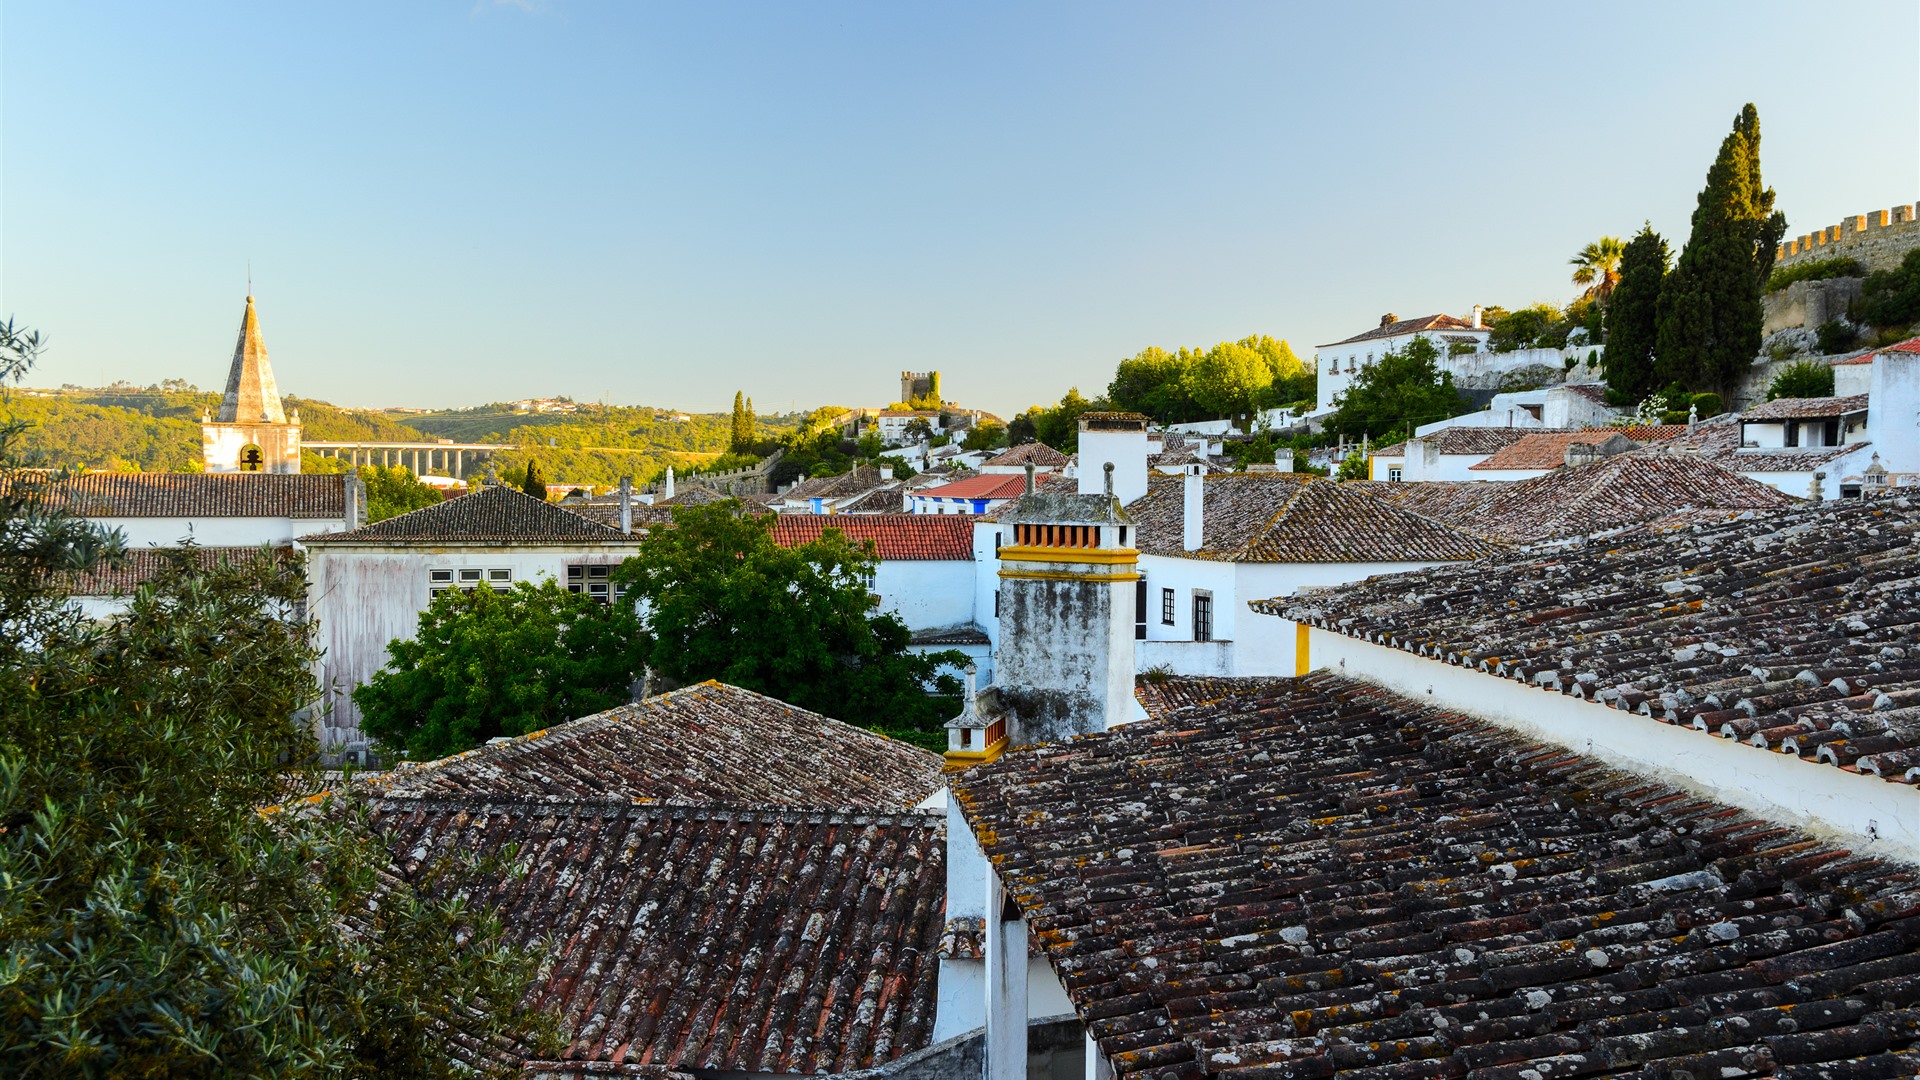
(1393,473)
(1202,616)
(1140,610)
(468,578)
(1793,433)
(1166,607)
(594,579)
(996,603)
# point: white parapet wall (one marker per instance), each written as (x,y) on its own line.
(1864,813)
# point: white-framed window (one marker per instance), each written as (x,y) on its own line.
(1202,615)
(594,579)
(468,578)
(1166,607)
(1393,473)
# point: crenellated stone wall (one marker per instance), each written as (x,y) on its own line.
(1879,240)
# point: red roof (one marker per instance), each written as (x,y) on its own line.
(894,536)
(1911,345)
(984,486)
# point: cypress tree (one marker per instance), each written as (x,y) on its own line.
(1633,319)
(742,427)
(746,427)
(535,482)
(1709,309)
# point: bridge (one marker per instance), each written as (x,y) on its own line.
(442,456)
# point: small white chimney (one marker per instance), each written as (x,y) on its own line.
(1479,317)
(1192,481)
(886,472)
(1029,478)
(666,488)
(355,497)
(1283,459)
(626,504)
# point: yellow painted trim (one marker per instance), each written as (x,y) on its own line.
(1302,635)
(1067,575)
(1090,556)
(976,756)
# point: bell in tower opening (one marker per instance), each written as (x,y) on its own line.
(251,432)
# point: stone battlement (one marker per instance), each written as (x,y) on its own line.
(1879,240)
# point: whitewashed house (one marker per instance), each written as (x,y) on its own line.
(1340,361)
(368,586)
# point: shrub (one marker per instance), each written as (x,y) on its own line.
(1707,405)
(1808,378)
(1891,297)
(1835,336)
(1817,270)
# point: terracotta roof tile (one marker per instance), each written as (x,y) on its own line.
(710,744)
(888,498)
(1804,620)
(1407,326)
(895,536)
(1279,517)
(1911,345)
(1040,454)
(1162,696)
(497,513)
(1613,493)
(857,480)
(1328,880)
(983,486)
(1718,440)
(1822,408)
(274,495)
(1467,440)
(1545,450)
(734,940)
(142,564)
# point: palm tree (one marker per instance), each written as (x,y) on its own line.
(1598,267)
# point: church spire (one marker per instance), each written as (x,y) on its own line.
(251,397)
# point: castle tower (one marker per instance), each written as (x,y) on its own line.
(251,433)
(1068,577)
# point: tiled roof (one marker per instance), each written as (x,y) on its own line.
(201,495)
(497,513)
(711,743)
(1594,392)
(1162,696)
(1544,450)
(660,512)
(700,938)
(1273,517)
(1408,326)
(984,486)
(1816,408)
(1115,420)
(1053,483)
(890,498)
(859,479)
(895,536)
(1795,632)
(1040,454)
(141,564)
(1328,880)
(1718,440)
(962,635)
(1911,345)
(1479,441)
(1613,493)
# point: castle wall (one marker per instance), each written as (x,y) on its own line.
(1879,240)
(1808,303)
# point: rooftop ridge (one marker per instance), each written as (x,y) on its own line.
(661,810)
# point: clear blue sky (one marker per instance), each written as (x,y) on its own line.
(454,203)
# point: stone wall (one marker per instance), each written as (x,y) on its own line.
(1879,240)
(752,480)
(1808,303)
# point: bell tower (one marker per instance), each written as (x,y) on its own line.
(251,432)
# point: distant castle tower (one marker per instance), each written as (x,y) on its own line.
(920,389)
(251,433)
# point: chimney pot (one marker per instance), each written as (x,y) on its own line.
(1193,492)
(1479,314)
(626,504)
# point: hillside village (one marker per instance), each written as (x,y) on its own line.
(1556,739)
(1485,694)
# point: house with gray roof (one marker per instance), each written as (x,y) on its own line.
(368,586)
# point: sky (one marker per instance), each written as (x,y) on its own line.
(449,204)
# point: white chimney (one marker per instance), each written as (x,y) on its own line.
(1283,459)
(626,504)
(1192,481)
(1479,316)
(354,496)
(666,488)
(886,472)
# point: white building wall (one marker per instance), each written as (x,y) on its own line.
(1893,410)
(218,531)
(1854,808)
(364,599)
(927,594)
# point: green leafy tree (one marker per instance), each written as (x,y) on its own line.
(1891,297)
(1633,319)
(1022,429)
(1353,467)
(1059,426)
(740,434)
(485,664)
(718,599)
(534,480)
(1403,390)
(1154,382)
(1230,379)
(1536,326)
(1807,378)
(918,430)
(1597,266)
(871,446)
(155,921)
(985,436)
(392,491)
(1709,316)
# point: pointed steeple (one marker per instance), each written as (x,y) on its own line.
(252,398)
